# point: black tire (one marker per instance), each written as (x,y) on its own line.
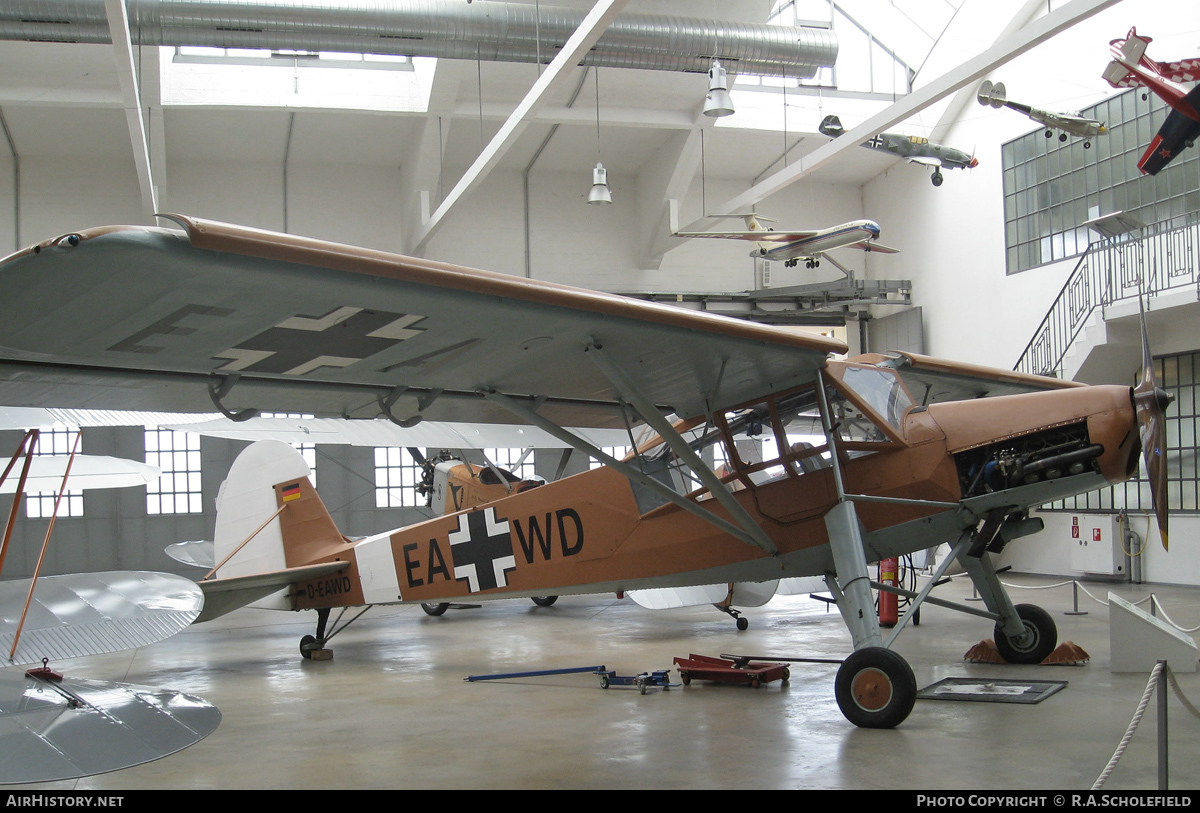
(875,688)
(544,601)
(603,681)
(307,644)
(937,179)
(436,609)
(1039,640)
(743,624)
(685,678)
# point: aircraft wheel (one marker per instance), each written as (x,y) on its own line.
(1038,640)
(937,179)
(1062,136)
(1049,134)
(875,688)
(743,624)
(436,609)
(544,601)
(307,644)
(1087,145)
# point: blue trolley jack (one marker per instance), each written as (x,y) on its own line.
(642,681)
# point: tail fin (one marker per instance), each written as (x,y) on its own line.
(831,126)
(265,477)
(992,95)
(1128,54)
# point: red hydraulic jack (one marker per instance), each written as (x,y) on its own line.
(888,602)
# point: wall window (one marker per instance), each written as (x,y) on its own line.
(177,454)
(1052,187)
(1179,376)
(55,442)
(397,474)
(514,460)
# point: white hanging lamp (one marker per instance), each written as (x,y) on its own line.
(718,102)
(599,194)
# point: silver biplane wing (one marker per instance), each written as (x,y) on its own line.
(242,319)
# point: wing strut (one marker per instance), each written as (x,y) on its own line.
(630,472)
(645,407)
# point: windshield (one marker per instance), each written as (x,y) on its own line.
(881,390)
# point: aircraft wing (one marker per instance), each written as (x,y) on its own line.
(81,614)
(425,435)
(927,160)
(870,245)
(936,380)
(759,236)
(1172,138)
(88,471)
(235,318)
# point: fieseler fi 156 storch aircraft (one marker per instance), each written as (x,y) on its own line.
(1130,67)
(773,460)
(794,245)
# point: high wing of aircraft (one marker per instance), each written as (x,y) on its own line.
(794,245)
(773,459)
(1130,67)
(995,95)
(916,149)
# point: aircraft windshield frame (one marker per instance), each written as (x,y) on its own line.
(879,392)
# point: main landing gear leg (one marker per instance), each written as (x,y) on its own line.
(1025,633)
(875,687)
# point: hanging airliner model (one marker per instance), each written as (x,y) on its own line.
(1130,67)
(994,95)
(795,245)
(827,465)
(917,149)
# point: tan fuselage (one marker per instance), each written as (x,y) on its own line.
(585,533)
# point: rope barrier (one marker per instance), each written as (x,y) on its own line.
(1133,724)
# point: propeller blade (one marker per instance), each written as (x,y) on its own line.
(1150,403)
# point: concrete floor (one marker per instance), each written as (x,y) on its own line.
(392,709)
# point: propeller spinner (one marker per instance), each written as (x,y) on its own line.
(1150,402)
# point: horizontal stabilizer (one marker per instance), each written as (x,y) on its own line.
(80,614)
(225,595)
(799,585)
(669,598)
(197,553)
(992,95)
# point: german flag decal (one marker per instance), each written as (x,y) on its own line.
(290,492)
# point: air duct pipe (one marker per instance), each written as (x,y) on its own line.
(491,31)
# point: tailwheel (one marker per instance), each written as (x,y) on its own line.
(544,601)
(436,609)
(1035,643)
(308,645)
(875,688)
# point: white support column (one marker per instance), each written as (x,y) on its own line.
(557,72)
(118,26)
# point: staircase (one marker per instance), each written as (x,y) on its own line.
(1092,332)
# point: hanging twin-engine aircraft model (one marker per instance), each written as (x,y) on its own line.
(994,95)
(1130,67)
(795,245)
(917,149)
(825,465)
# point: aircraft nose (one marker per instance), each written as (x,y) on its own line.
(974,162)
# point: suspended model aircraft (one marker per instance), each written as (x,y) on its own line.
(994,95)
(909,453)
(795,245)
(1130,67)
(917,149)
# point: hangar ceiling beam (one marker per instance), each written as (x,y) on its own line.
(556,73)
(118,26)
(1004,50)
(965,95)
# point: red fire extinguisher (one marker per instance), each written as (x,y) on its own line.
(888,612)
